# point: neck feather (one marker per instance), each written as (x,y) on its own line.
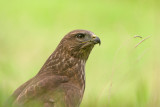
(62,61)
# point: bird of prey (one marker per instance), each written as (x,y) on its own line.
(61,80)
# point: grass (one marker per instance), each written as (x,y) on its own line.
(117,73)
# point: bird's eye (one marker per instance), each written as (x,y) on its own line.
(80,35)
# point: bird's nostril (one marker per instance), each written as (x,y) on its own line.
(94,36)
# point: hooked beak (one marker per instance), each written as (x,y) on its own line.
(96,40)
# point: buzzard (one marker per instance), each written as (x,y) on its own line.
(61,80)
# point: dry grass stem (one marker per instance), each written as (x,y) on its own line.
(137,36)
(142,41)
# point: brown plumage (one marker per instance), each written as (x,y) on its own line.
(61,80)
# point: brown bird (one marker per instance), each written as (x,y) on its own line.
(61,80)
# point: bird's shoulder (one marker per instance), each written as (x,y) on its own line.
(38,85)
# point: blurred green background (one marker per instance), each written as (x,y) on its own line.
(117,73)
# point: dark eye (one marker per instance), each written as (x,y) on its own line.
(80,35)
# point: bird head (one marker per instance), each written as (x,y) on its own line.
(79,43)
